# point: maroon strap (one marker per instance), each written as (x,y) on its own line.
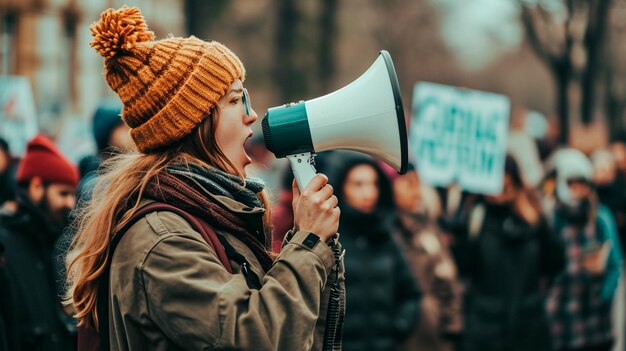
(88,339)
(198,224)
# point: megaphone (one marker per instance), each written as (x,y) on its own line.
(365,116)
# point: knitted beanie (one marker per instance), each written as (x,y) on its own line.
(168,86)
(44,160)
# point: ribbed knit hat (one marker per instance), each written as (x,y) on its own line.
(44,160)
(168,86)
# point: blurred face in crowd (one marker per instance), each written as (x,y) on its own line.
(619,152)
(604,173)
(120,138)
(579,189)
(406,192)
(56,199)
(233,127)
(360,189)
(509,191)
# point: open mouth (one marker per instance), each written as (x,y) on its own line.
(247,140)
(247,146)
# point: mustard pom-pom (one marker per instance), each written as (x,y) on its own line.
(119,30)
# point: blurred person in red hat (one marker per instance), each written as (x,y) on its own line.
(31,310)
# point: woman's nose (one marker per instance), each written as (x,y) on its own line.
(252,117)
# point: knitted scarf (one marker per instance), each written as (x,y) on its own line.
(186,186)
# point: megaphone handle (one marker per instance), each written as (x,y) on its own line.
(302,167)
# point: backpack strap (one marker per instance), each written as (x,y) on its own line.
(102,306)
(252,280)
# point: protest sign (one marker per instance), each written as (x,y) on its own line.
(459,136)
(18,121)
(76,139)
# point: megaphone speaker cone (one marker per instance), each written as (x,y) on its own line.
(367,116)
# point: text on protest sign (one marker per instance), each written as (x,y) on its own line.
(459,136)
(18,121)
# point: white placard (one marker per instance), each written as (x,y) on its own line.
(459,136)
(18,120)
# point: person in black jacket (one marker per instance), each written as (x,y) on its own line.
(8,169)
(508,257)
(382,301)
(31,314)
(111,136)
(5,309)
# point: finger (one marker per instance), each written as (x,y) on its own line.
(317,183)
(337,212)
(332,202)
(296,191)
(326,191)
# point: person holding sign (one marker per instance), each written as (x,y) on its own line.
(580,302)
(173,251)
(507,254)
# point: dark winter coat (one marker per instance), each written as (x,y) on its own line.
(382,298)
(4,302)
(31,308)
(8,181)
(507,263)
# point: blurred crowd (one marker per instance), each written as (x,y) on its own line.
(536,267)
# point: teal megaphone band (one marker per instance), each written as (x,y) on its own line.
(286,130)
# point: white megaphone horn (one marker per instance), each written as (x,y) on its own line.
(365,116)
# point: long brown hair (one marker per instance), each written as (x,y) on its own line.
(120,186)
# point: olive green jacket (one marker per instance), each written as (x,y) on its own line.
(169,291)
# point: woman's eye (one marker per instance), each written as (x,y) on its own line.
(235,101)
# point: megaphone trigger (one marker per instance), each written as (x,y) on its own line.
(303,168)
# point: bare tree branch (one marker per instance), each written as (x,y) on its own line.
(555,44)
(594,41)
(530,26)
